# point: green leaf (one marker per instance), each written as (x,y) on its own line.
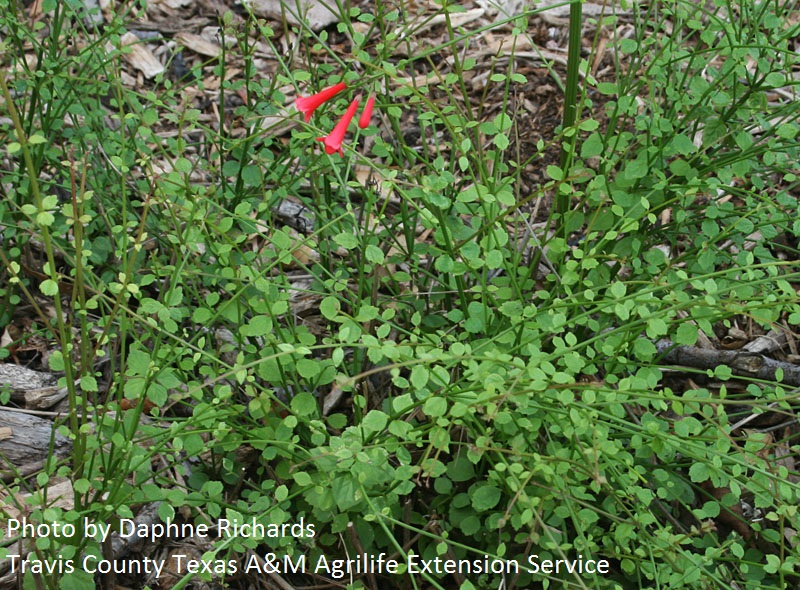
(501,141)
(367,313)
(484,497)
(166,512)
(644,349)
(686,334)
(682,145)
(82,485)
(49,202)
(133,387)
(607,88)
(699,472)
(330,308)
(460,469)
(308,368)
(202,315)
(723,372)
(374,421)
(656,327)
(592,146)
(554,172)
(281,493)
(89,383)
(709,510)
(304,404)
(79,579)
(435,406)
(157,394)
(419,376)
(345,492)
(260,325)
(346,240)
(627,46)
(470,525)
(503,121)
(688,426)
(56,361)
(183,165)
(637,168)
(773,564)
(617,290)
(374,254)
(138,363)
(49,287)
(193,444)
(302,479)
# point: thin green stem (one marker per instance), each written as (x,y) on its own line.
(570,103)
(75,419)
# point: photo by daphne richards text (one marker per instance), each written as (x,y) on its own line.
(129,528)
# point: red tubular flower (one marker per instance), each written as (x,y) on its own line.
(308,104)
(333,141)
(366,114)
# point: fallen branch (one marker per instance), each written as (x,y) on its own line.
(741,362)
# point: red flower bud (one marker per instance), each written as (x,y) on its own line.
(308,104)
(333,141)
(366,114)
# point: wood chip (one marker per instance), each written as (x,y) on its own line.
(198,44)
(140,57)
(557,12)
(59,494)
(312,13)
(173,4)
(458,19)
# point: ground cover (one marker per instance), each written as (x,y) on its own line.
(535,326)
